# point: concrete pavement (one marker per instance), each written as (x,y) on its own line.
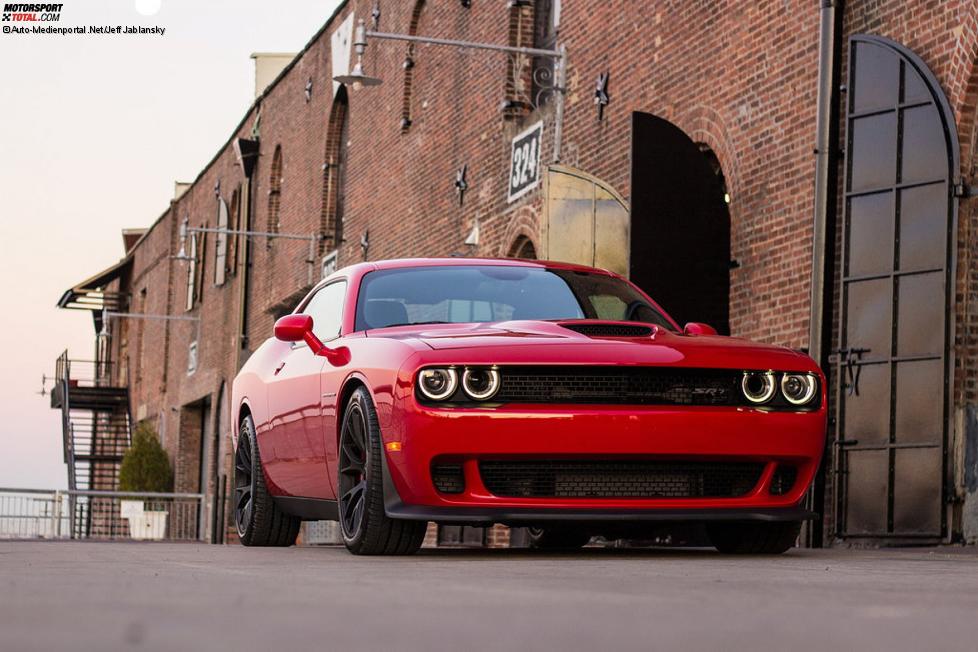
(116,596)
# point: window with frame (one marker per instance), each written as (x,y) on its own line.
(546,23)
(221,243)
(275,193)
(326,309)
(195,268)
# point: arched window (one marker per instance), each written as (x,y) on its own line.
(275,192)
(409,63)
(334,171)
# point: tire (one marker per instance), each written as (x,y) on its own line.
(753,538)
(258,520)
(557,538)
(365,527)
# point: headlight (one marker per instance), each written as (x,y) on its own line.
(437,384)
(799,389)
(758,386)
(480,383)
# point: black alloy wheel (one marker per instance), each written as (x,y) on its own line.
(366,528)
(258,520)
(353,471)
(243,495)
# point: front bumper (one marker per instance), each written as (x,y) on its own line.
(586,432)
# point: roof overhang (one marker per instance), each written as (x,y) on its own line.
(91,294)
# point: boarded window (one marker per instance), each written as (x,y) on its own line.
(221,244)
(275,192)
(192,273)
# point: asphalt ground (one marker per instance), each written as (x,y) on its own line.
(155,596)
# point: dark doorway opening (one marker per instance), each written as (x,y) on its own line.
(680,223)
(523,248)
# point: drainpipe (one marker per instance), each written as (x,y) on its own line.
(823,231)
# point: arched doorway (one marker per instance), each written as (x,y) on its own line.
(893,369)
(680,223)
(523,248)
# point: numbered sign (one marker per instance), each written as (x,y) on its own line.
(524,162)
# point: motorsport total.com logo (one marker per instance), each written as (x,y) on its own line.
(31,13)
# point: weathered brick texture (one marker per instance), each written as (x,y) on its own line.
(738,76)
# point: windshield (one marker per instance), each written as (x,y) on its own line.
(484,293)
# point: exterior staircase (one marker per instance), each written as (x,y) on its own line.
(96,434)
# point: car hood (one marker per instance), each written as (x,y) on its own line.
(555,343)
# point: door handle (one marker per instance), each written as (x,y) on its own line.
(281,365)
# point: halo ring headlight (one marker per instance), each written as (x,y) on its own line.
(799,389)
(437,383)
(758,386)
(480,383)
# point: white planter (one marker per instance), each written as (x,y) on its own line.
(131,508)
(143,525)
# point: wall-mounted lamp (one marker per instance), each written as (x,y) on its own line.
(356,78)
(365,243)
(550,82)
(601,97)
(186,230)
(308,90)
(184,234)
(461,185)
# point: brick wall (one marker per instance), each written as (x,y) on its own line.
(739,77)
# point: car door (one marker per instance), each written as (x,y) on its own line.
(297,461)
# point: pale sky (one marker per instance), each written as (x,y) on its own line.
(94,130)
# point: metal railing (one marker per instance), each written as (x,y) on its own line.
(105,515)
(83,373)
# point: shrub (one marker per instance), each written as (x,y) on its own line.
(145,466)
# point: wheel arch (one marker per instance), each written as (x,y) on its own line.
(243,410)
(350,384)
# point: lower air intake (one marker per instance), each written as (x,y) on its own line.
(619,479)
(448,478)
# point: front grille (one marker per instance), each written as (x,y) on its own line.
(783,479)
(619,479)
(609,330)
(448,478)
(617,385)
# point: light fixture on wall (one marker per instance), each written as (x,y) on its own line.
(186,231)
(601,98)
(356,78)
(308,90)
(365,243)
(461,185)
(521,63)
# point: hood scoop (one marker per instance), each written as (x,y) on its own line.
(612,329)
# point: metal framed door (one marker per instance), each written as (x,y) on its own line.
(894,358)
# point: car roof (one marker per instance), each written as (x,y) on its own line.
(402,263)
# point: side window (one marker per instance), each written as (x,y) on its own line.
(326,309)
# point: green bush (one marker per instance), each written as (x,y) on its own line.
(145,466)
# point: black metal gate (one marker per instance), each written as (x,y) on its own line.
(894,362)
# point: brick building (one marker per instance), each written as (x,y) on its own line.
(686,137)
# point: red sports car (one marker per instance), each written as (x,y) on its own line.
(537,394)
